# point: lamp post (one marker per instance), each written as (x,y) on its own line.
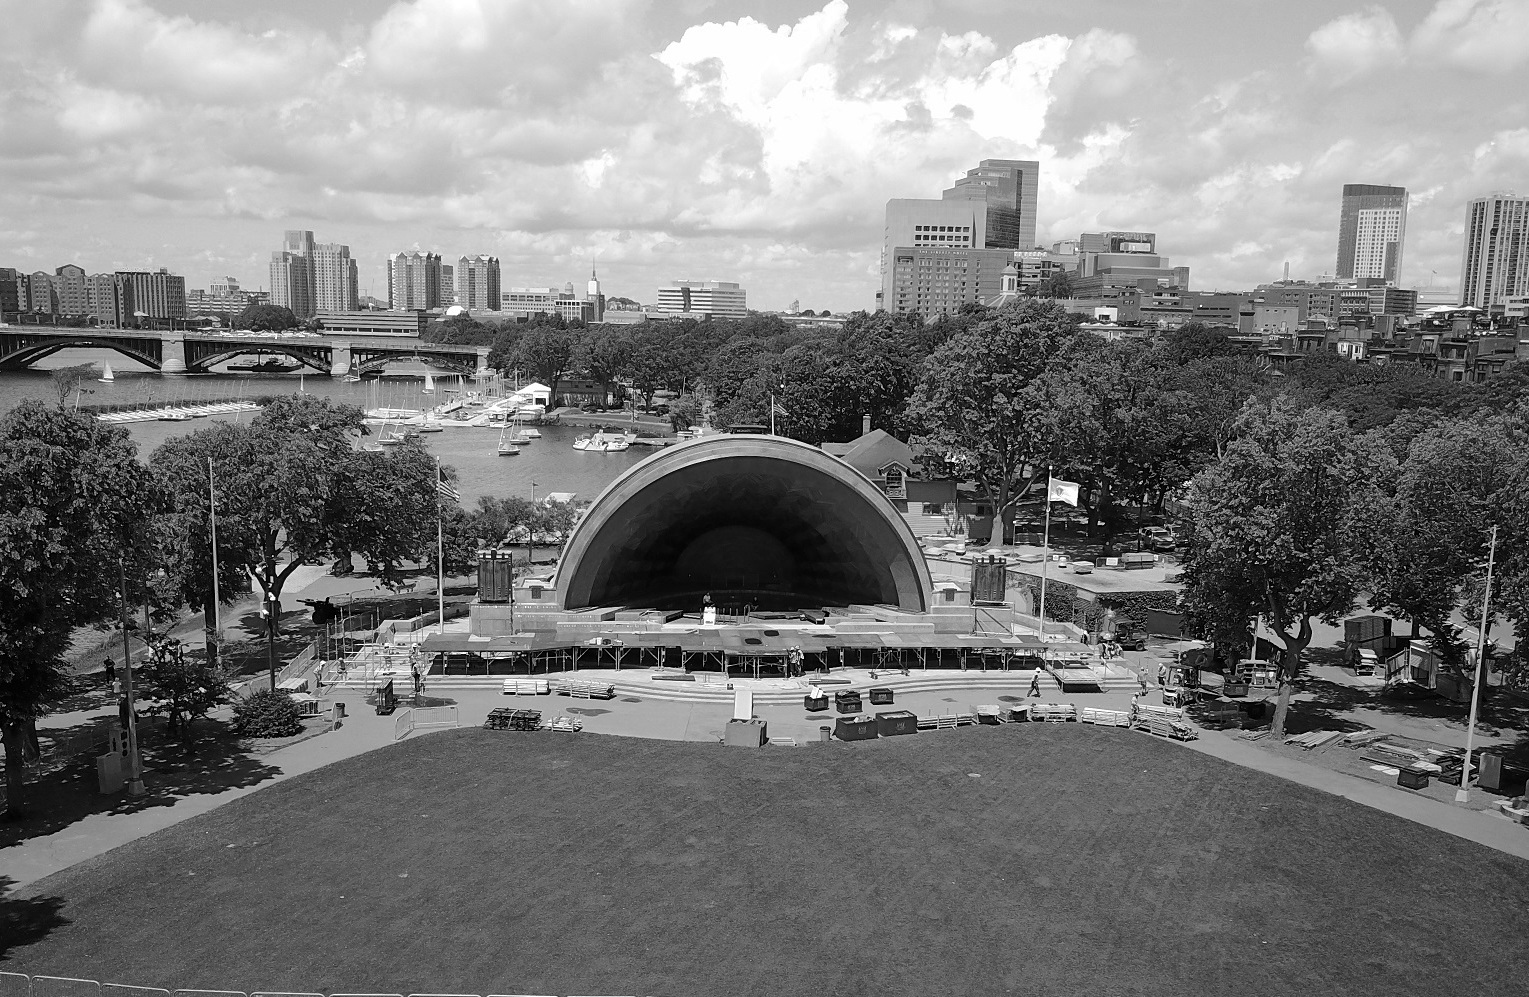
(272,608)
(531,527)
(1464,793)
(134,760)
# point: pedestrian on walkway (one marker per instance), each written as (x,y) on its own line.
(414,672)
(1035,684)
(111,672)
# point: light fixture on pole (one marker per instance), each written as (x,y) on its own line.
(1464,793)
(134,760)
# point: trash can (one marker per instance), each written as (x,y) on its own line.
(1489,771)
(109,772)
(339,710)
(824,733)
(1412,777)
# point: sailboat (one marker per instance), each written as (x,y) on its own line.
(429,387)
(108,377)
(507,448)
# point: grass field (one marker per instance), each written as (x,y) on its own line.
(1023,859)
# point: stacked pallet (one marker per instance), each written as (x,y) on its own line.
(1105,718)
(1314,738)
(505,718)
(584,690)
(1053,713)
(526,687)
(949,720)
(1176,730)
(569,724)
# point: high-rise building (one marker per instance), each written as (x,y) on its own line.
(477,280)
(69,286)
(697,298)
(1009,189)
(1495,264)
(308,276)
(158,294)
(448,285)
(595,297)
(414,280)
(1372,227)
(292,273)
(334,278)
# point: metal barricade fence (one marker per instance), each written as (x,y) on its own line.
(402,724)
(15,985)
(124,990)
(425,718)
(64,986)
(21,985)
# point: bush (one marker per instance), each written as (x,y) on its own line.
(267,714)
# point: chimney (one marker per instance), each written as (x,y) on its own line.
(865,424)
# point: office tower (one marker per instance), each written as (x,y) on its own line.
(696,298)
(447,282)
(414,280)
(292,273)
(160,294)
(596,299)
(69,286)
(334,278)
(1009,188)
(1495,264)
(477,279)
(1372,226)
(916,224)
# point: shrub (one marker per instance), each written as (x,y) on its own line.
(267,714)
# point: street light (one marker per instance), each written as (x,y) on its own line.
(531,527)
(134,760)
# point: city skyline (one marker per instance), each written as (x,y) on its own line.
(743,143)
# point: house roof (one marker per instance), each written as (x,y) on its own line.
(872,452)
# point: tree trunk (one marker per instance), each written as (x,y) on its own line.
(1287,673)
(14,738)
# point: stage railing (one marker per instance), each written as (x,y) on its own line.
(424,718)
(22,985)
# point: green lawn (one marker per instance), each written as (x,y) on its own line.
(1023,859)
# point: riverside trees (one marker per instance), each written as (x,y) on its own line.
(1271,533)
(292,489)
(74,505)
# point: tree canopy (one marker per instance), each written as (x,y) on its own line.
(266,318)
(75,506)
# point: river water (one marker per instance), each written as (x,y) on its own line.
(550,463)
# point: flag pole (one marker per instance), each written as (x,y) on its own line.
(772,413)
(440,553)
(1045,556)
(212,519)
(1463,793)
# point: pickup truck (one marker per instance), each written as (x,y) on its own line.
(1158,538)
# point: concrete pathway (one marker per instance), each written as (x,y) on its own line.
(634,716)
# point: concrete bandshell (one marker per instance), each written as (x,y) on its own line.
(762,520)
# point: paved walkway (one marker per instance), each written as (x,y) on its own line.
(635,716)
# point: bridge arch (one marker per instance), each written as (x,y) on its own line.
(202,356)
(765,520)
(18,349)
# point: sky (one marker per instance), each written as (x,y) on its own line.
(756,142)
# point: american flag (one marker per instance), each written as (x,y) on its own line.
(444,488)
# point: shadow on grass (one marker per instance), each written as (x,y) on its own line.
(217,761)
(25,922)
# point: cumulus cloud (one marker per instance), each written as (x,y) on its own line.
(1489,36)
(1355,43)
(754,148)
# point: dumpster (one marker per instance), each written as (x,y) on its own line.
(855,728)
(896,722)
(881,697)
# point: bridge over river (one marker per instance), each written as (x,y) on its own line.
(181,352)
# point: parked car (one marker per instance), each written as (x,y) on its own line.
(1131,639)
(1158,538)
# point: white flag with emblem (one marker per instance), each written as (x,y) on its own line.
(1062,491)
